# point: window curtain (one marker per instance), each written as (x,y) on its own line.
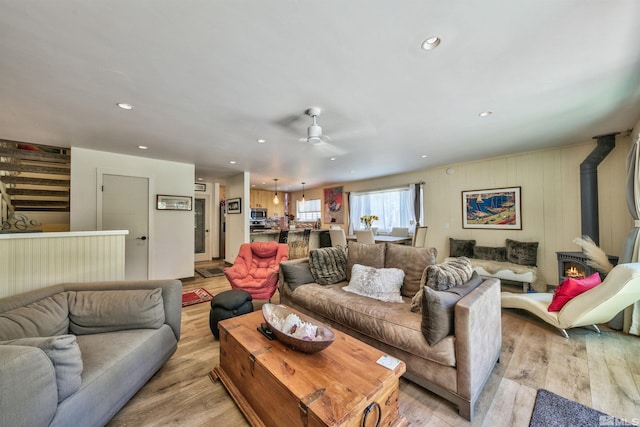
(631,250)
(355,207)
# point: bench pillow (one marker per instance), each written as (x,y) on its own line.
(459,248)
(438,309)
(328,265)
(523,253)
(44,318)
(64,353)
(94,312)
(489,253)
(378,283)
(412,261)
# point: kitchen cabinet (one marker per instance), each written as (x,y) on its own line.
(264,199)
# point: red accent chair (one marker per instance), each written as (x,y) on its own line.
(256,268)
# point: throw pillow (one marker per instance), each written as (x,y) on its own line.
(64,353)
(379,283)
(44,318)
(523,253)
(412,261)
(296,273)
(93,312)
(448,274)
(438,309)
(328,265)
(490,253)
(571,288)
(365,254)
(458,248)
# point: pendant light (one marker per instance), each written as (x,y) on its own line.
(275,198)
(302,202)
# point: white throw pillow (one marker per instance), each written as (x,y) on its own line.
(379,283)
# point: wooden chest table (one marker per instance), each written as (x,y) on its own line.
(277,386)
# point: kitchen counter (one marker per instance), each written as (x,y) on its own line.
(273,234)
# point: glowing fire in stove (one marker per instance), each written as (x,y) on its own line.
(574,273)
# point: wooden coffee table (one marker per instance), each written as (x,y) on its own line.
(275,385)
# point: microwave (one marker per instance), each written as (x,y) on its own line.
(258,213)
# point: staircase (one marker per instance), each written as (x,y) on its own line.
(33,177)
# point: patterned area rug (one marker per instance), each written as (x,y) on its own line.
(209,272)
(195,296)
(552,410)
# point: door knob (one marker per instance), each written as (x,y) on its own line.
(141,238)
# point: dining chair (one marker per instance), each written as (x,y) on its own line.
(400,231)
(375,230)
(364,236)
(335,227)
(420,237)
(338,238)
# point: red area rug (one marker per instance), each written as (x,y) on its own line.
(195,296)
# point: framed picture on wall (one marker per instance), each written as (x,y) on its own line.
(234,206)
(333,206)
(496,208)
(173,203)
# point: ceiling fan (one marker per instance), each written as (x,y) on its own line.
(314,132)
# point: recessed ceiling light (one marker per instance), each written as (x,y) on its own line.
(125,106)
(261,141)
(199,179)
(431,43)
(485,113)
(424,156)
(333,158)
(233,162)
(142,147)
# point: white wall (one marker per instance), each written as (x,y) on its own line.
(171,237)
(550,182)
(237,231)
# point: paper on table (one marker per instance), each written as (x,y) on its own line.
(388,362)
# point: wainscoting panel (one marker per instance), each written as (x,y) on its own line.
(36,260)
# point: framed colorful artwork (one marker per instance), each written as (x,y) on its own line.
(333,206)
(496,208)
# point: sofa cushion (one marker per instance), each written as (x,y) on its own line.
(571,288)
(44,318)
(438,308)
(458,248)
(379,283)
(523,253)
(297,274)
(64,354)
(489,253)
(328,265)
(412,261)
(92,312)
(365,254)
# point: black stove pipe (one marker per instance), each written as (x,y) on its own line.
(589,185)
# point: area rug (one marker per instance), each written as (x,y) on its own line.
(551,410)
(195,296)
(209,272)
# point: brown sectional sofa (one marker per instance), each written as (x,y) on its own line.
(456,368)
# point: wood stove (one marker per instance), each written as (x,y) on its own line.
(574,264)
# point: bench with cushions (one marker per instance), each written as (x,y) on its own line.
(514,262)
(449,348)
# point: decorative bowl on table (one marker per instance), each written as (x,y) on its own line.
(297,330)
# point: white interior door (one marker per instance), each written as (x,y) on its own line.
(202,227)
(125,206)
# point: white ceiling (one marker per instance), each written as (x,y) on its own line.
(208,78)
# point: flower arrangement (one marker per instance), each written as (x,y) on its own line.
(366,220)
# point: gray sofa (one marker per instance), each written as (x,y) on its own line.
(455,368)
(75,353)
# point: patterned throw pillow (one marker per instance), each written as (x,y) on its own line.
(448,274)
(379,283)
(328,265)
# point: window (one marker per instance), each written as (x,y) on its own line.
(394,207)
(309,210)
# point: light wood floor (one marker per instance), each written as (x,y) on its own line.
(599,371)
